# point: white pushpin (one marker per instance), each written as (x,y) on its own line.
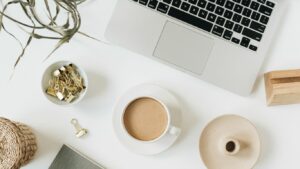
(79,130)
(56,73)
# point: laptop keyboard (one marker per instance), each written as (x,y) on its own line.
(243,22)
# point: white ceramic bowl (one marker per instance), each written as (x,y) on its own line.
(47,76)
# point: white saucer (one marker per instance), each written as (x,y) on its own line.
(140,147)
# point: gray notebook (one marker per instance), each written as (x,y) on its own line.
(68,158)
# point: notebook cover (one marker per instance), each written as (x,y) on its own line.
(68,158)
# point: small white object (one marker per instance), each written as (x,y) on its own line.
(60,96)
(70,98)
(56,73)
(174,130)
(80,132)
(63,68)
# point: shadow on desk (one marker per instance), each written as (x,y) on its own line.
(267,143)
(97,84)
(47,147)
(188,119)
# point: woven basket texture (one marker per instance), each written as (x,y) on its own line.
(17,144)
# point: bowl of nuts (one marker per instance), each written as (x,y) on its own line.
(64,83)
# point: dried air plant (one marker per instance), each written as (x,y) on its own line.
(62,32)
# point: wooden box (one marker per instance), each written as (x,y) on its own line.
(282,87)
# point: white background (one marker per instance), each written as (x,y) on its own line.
(113,70)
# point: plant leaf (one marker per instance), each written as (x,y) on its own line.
(63,32)
(58,45)
(23,51)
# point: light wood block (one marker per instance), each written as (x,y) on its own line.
(282,87)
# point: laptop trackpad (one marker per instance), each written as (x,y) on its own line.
(184,48)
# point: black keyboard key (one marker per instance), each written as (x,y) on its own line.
(190,19)
(252,34)
(212,1)
(176,3)
(237,18)
(211,7)
(264,19)
(254,5)
(163,8)
(229,24)
(143,2)
(185,6)
(246,22)
(235,40)
(229,5)
(153,3)
(247,12)
(252,47)
(255,16)
(193,2)
(257,26)
(194,10)
(238,28)
(203,13)
(218,30)
(245,42)
(135,0)
(227,34)
(246,2)
(219,11)
(265,10)
(228,14)
(238,8)
(167,1)
(270,4)
(221,2)
(261,1)
(212,17)
(220,21)
(202,3)
(237,1)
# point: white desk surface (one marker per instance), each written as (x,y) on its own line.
(113,70)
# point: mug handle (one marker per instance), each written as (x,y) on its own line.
(174,130)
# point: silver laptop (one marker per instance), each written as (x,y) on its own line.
(223,42)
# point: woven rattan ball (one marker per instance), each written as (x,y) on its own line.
(17,144)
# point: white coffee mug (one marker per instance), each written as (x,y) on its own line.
(163,139)
(170,128)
